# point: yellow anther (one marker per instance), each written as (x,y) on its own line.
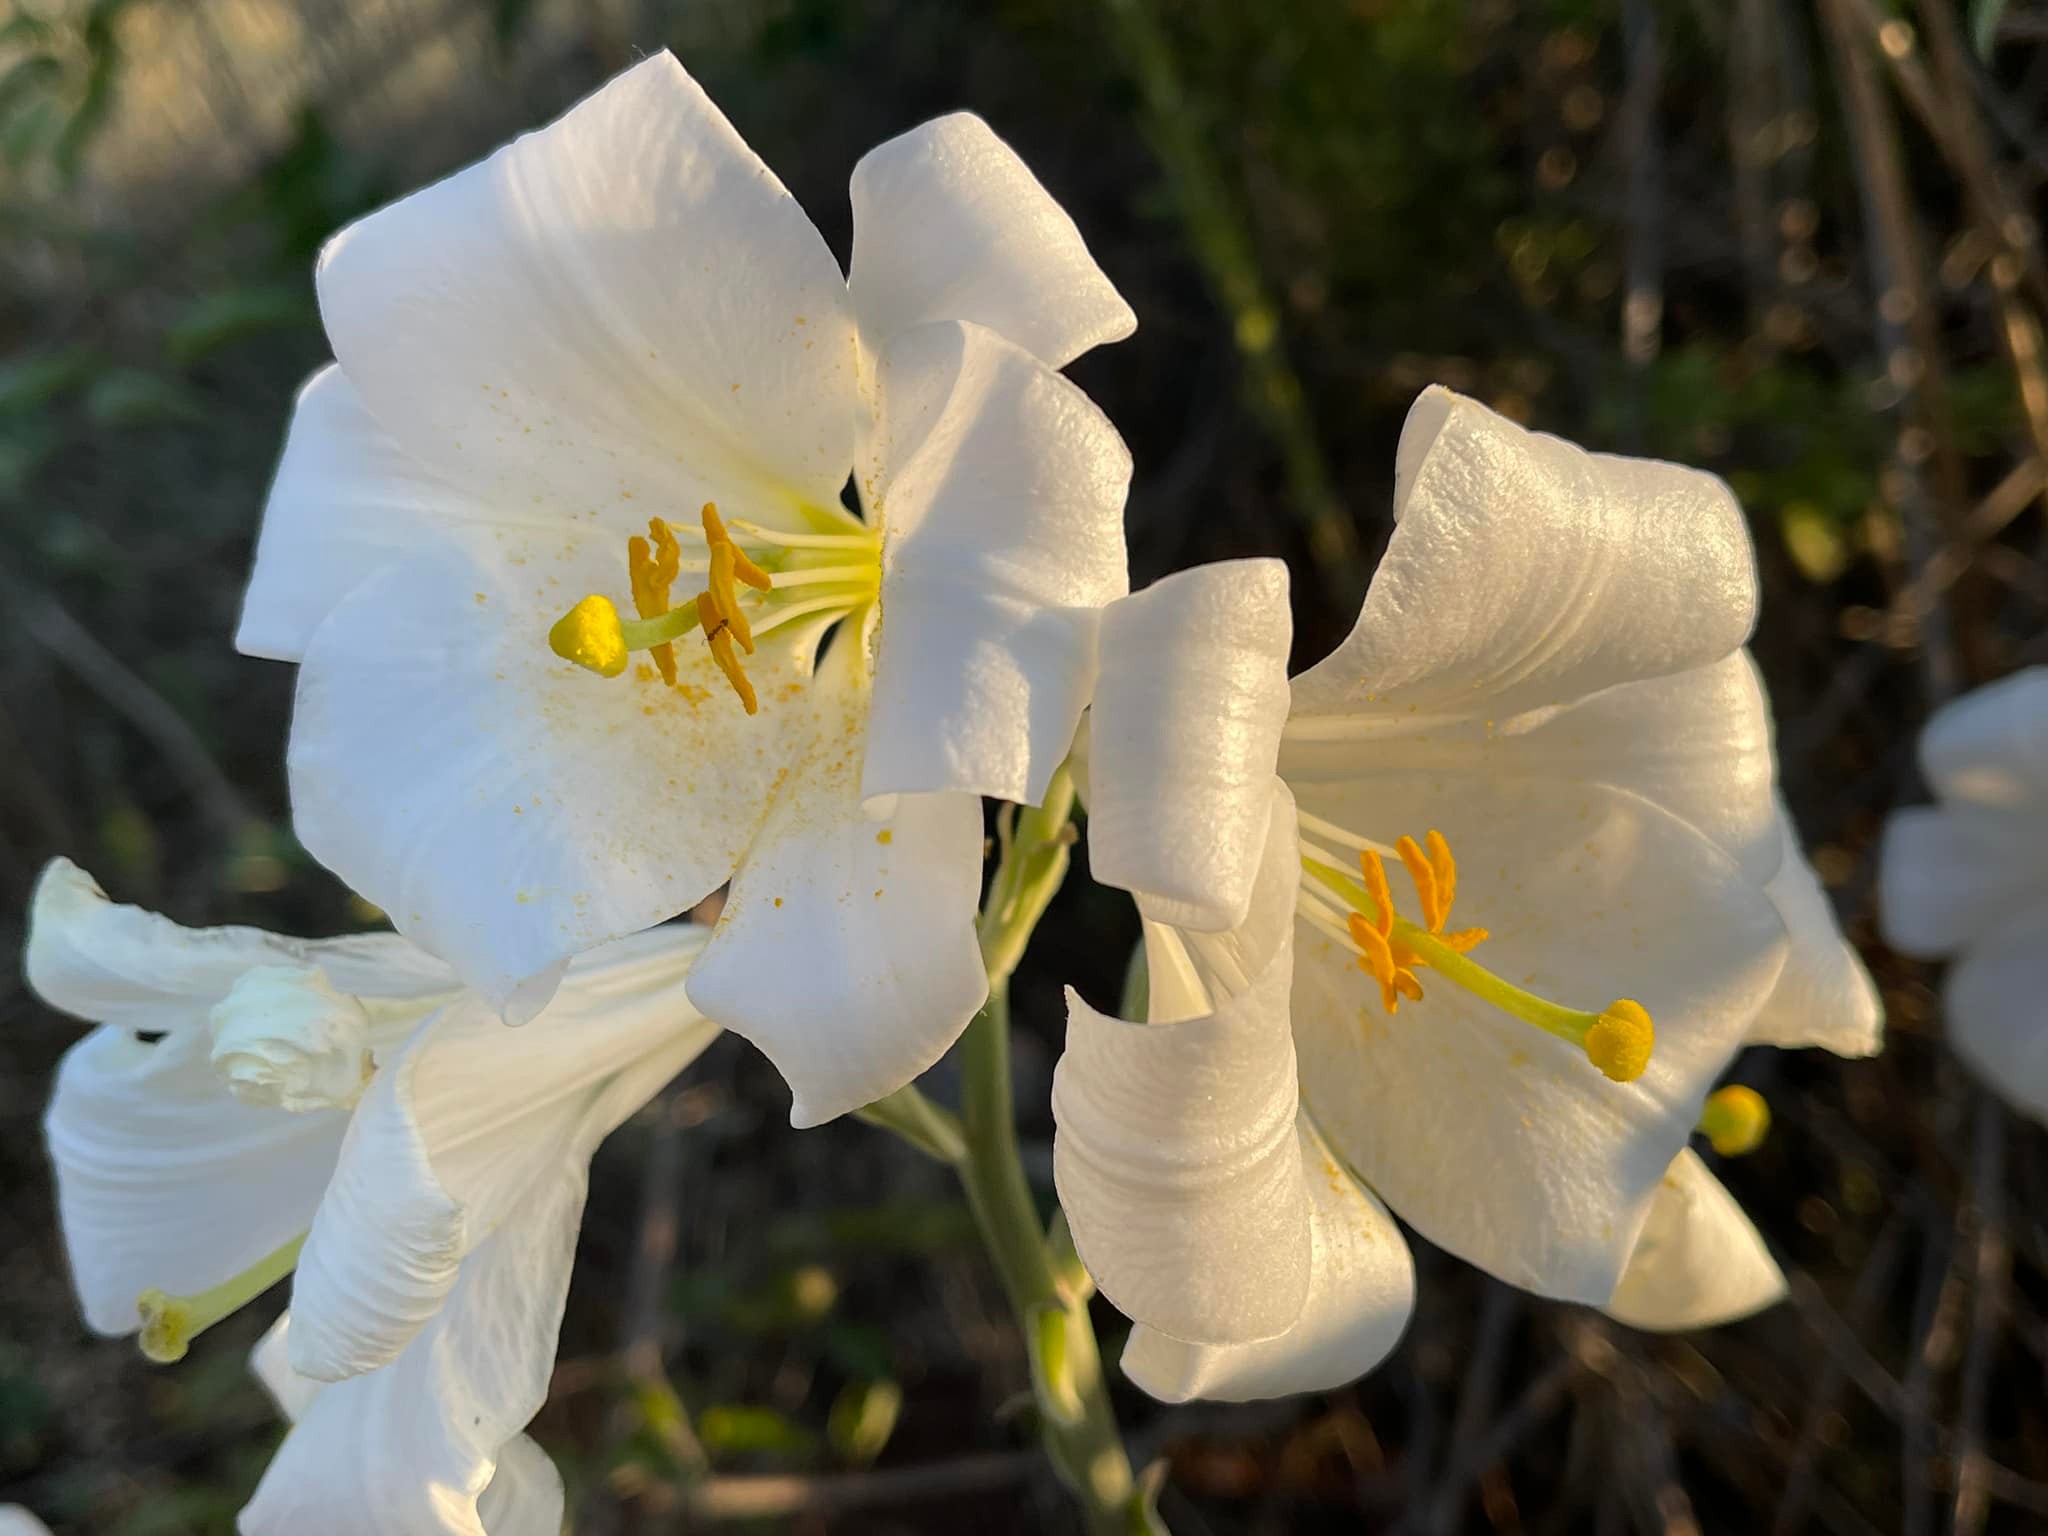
(725,597)
(720,639)
(1735,1120)
(743,568)
(590,635)
(1424,876)
(1445,868)
(1620,1040)
(651,572)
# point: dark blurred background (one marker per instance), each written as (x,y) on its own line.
(1791,242)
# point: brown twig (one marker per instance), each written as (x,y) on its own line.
(1908,339)
(1873,1283)
(774,1497)
(1992,1264)
(122,690)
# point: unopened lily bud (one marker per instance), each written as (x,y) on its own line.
(285,1038)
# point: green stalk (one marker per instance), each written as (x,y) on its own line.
(1076,1423)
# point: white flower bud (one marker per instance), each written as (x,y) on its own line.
(284,1038)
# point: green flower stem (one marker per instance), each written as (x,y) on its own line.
(1076,1421)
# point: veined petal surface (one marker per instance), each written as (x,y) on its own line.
(429,1445)
(1360,1296)
(166,1181)
(507,808)
(1178,1167)
(1493,1139)
(1190,698)
(455,1134)
(1001,489)
(108,962)
(621,314)
(1696,743)
(846,951)
(1700,1261)
(1525,572)
(346,501)
(949,224)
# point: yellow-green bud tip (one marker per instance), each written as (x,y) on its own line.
(1735,1120)
(1620,1040)
(166,1326)
(589,635)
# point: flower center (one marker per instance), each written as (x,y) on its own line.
(786,576)
(171,1323)
(1359,913)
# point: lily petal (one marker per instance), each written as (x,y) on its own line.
(1001,489)
(949,224)
(455,1133)
(1824,996)
(1990,747)
(1700,1261)
(846,952)
(166,1181)
(623,306)
(111,963)
(429,1445)
(1189,704)
(1996,1004)
(1525,572)
(1360,1296)
(1175,1155)
(508,809)
(1948,874)
(1696,743)
(1178,1167)
(1590,895)
(346,501)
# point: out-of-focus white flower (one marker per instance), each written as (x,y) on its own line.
(16,1521)
(1548,677)
(431,1227)
(1967,879)
(617,356)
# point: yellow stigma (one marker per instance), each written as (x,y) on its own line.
(1390,949)
(171,1323)
(1620,1040)
(829,573)
(590,635)
(1735,1120)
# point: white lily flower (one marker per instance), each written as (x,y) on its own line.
(432,1227)
(1546,676)
(625,316)
(1966,880)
